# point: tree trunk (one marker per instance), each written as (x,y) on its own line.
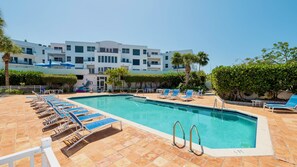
(6,59)
(187,76)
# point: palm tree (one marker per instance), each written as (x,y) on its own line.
(8,47)
(176,59)
(202,59)
(2,23)
(186,60)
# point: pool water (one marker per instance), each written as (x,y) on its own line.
(217,129)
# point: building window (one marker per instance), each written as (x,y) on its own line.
(25,60)
(43,61)
(29,51)
(144,61)
(108,59)
(79,60)
(30,62)
(112,59)
(136,62)
(24,50)
(58,59)
(79,49)
(166,65)
(43,52)
(58,48)
(126,50)
(166,57)
(91,70)
(154,53)
(68,58)
(105,59)
(102,49)
(115,50)
(136,52)
(115,59)
(144,51)
(90,48)
(68,47)
(102,59)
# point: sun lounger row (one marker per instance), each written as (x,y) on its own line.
(67,116)
(175,95)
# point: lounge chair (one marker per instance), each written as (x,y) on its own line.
(291,104)
(174,94)
(165,94)
(188,96)
(76,137)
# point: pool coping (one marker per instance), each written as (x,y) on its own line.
(263,140)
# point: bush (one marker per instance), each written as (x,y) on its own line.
(14,91)
(169,80)
(26,77)
(233,81)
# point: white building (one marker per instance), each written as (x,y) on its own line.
(91,59)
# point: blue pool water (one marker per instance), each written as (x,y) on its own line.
(218,129)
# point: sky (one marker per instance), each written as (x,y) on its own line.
(228,30)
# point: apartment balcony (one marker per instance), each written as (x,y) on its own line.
(159,65)
(22,62)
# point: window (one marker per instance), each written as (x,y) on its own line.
(89,58)
(154,53)
(24,50)
(115,50)
(127,60)
(136,62)
(102,59)
(68,58)
(99,59)
(166,57)
(43,52)
(93,58)
(80,77)
(136,52)
(25,60)
(58,59)
(102,49)
(68,47)
(79,49)
(112,59)
(30,51)
(108,59)
(105,59)
(79,60)
(91,70)
(166,65)
(126,50)
(30,62)
(144,51)
(90,48)
(58,48)
(43,61)
(116,59)
(144,61)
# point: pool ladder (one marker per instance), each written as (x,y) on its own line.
(215,104)
(184,138)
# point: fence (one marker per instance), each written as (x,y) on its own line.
(26,88)
(48,157)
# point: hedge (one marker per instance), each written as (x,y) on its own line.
(36,78)
(231,81)
(168,80)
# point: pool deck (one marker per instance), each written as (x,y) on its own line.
(20,129)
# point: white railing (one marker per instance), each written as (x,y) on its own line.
(48,157)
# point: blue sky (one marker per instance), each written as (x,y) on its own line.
(228,30)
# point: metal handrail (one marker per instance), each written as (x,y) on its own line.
(191,140)
(215,105)
(184,136)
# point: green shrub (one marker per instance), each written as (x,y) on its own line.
(14,91)
(231,81)
(17,77)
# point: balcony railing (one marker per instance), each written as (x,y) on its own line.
(22,62)
(48,156)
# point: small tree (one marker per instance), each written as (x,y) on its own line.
(115,76)
(177,60)
(8,47)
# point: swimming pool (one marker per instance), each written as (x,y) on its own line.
(218,129)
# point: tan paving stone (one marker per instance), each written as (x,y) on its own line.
(22,129)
